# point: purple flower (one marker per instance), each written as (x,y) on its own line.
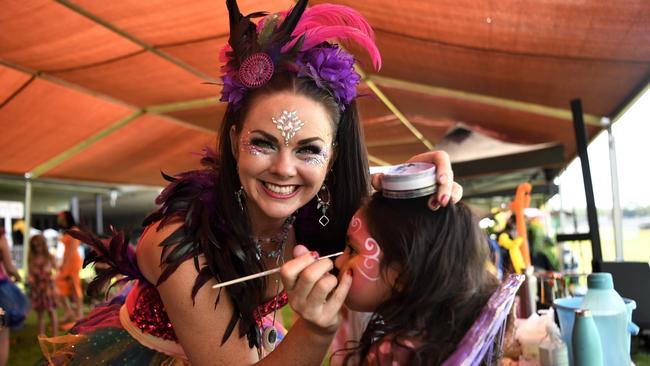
(332,69)
(232,91)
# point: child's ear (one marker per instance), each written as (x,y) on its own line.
(394,277)
(234,142)
(399,286)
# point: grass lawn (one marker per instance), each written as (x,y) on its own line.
(24,348)
(636,248)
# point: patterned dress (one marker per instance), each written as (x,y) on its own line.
(41,285)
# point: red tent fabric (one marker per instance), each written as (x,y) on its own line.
(117,92)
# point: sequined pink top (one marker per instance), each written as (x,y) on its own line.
(147,311)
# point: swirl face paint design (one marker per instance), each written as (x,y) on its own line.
(368,248)
(363,257)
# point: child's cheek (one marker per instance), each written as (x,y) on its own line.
(359,282)
(368,261)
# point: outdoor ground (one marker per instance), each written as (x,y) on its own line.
(24,349)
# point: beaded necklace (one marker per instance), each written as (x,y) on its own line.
(279,239)
(270,334)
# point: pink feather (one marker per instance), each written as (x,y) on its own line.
(334,15)
(325,22)
(320,34)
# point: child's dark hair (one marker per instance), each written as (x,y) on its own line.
(443,282)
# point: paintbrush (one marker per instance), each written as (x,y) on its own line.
(262,274)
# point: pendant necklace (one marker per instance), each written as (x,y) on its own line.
(270,333)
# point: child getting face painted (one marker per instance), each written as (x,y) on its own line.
(420,269)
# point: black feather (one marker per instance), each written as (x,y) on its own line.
(113,259)
(289,24)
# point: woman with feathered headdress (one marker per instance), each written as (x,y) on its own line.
(291,168)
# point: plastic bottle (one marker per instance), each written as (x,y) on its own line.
(553,351)
(585,340)
(610,315)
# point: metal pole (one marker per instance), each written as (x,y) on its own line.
(592,214)
(616,199)
(28,220)
(99,213)
(74,209)
(8,230)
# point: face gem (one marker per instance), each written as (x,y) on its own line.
(288,124)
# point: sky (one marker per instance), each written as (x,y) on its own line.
(632,142)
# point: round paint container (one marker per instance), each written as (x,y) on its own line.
(409,180)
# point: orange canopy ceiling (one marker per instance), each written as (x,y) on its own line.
(115,91)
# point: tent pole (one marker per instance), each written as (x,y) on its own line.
(28,220)
(592,214)
(74,208)
(8,230)
(616,199)
(393,108)
(99,214)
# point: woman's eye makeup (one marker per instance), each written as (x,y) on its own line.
(313,155)
(309,149)
(263,143)
(258,146)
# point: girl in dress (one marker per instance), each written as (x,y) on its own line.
(41,285)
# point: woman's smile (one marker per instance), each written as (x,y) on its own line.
(280,191)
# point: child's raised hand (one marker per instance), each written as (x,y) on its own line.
(313,292)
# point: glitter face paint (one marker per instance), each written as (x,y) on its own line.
(246,145)
(251,144)
(318,159)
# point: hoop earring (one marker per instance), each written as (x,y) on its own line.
(323,204)
(238,197)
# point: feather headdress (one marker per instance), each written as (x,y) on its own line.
(296,40)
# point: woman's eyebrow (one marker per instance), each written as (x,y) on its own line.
(266,135)
(309,140)
(275,140)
